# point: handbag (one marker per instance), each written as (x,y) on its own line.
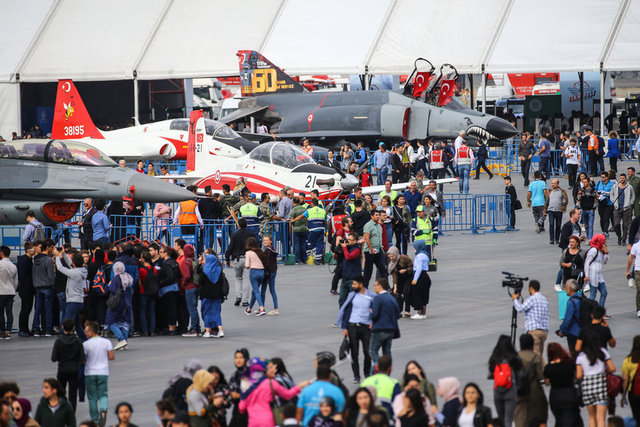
(114,300)
(577,386)
(345,349)
(278,416)
(517,205)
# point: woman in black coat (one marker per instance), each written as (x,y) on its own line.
(473,413)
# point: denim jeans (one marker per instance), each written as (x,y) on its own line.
(463,174)
(120,330)
(191,296)
(380,339)
(555,224)
(593,290)
(147,313)
(98,394)
(72,311)
(6,308)
(300,245)
(271,284)
(44,301)
(62,305)
(588,217)
(256,277)
(381,176)
(389,229)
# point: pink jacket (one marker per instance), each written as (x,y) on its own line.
(257,404)
(162,216)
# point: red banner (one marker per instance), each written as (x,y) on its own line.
(446,91)
(420,83)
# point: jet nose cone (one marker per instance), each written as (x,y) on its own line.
(349,182)
(500,128)
(149,189)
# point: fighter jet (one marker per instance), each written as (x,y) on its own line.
(164,139)
(279,100)
(49,176)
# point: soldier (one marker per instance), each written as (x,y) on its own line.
(267,215)
(228,200)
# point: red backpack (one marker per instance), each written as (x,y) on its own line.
(502,376)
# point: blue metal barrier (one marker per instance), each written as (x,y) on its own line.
(473,212)
(11,236)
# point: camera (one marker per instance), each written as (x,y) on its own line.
(514,282)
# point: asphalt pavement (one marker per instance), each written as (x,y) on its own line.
(469,309)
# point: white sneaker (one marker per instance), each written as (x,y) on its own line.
(638,313)
(220,334)
(631,282)
(418,316)
(273,313)
(120,344)
(206,335)
(558,288)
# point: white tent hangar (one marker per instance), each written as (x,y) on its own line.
(44,40)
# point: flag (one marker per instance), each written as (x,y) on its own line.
(420,82)
(446,91)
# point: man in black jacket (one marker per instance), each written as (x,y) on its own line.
(513,198)
(25,288)
(235,252)
(86,229)
(69,353)
(210,209)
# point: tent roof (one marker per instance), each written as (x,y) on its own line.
(44,40)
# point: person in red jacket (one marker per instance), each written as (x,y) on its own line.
(185,261)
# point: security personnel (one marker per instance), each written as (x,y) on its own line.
(233,211)
(421,227)
(357,195)
(187,215)
(436,162)
(388,192)
(316,217)
(267,215)
(303,198)
(251,213)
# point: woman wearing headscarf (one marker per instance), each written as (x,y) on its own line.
(418,294)
(22,413)
(400,267)
(256,400)
(179,383)
(240,359)
(595,257)
(118,319)
(211,294)
(449,391)
(327,415)
(201,401)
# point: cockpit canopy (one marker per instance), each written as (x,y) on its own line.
(54,151)
(280,154)
(214,128)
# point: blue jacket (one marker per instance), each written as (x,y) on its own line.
(384,313)
(130,266)
(571,323)
(613,149)
(413,200)
(121,314)
(345,311)
(361,157)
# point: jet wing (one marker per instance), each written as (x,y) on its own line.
(377,189)
(180,177)
(242,112)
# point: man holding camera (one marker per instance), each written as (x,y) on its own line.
(536,315)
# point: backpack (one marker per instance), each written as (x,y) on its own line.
(502,376)
(222,281)
(635,382)
(38,233)
(523,382)
(99,284)
(586,308)
(151,283)
(196,272)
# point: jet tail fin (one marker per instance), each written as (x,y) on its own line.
(259,76)
(71,120)
(197,150)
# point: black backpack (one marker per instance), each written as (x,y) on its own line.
(151,283)
(586,308)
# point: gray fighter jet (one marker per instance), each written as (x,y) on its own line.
(49,176)
(277,99)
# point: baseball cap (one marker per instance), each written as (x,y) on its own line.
(420,208)
(381,144)
(252,195)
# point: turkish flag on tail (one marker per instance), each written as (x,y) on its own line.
(420,83)
(446,91)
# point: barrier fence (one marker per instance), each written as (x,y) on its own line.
(473,212)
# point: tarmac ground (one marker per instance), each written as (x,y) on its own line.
(469,309)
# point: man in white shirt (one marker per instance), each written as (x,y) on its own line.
(8,287)
(97,352)
(634,258)
(458,142)
(573,157)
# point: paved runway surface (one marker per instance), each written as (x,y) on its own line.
(468,310)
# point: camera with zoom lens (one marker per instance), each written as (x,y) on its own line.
(514,282)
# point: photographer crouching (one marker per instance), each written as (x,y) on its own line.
(536,315)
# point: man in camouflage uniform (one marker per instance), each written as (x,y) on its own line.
(227,200)
(267,215)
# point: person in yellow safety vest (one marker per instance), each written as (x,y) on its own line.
(387,388)
(317,217)
(250,211)
(315,194)
(187,215)
(388,192)
(303,198)
(421,227)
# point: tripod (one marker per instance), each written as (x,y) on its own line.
(514,323)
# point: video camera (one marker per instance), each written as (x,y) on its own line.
(514,282)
